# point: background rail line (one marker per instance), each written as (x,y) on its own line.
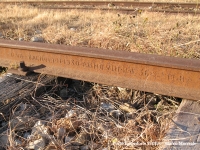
(152,73)
(115,3)
(154,6)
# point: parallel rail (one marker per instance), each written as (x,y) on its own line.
(125,10)
(192,8)
(152,73)
(115,3)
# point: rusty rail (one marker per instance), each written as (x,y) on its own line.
(124,10)
(191,8)
(152,73)
(115,3)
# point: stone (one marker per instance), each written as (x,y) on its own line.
(18,142)
(1,35)
(38,144)
(70,114)
(23,106)
(72,29)
(64,93)
(21,39)
(27,135)
(85,147)
(107,106)
(61,132)
(4,139)
(37,39)
(38,32)
(68,139)
(115,113)
(40,129)
(3,124)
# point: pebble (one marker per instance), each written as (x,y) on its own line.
(107,106)
(61,132)
(23,106)
(39,128)
(37,39)
(4,139)
(70,114)
(1,35)
(72,29)
(38,144)
(38,32)
(68,139)
(21,39)
(27,135)
(64,93)
(3,124)
(115,113)
(85,147)
(18,142)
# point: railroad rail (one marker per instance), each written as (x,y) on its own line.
(146,72)
(115,3)
(123,6)
(133,11)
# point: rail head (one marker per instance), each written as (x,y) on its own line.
(132,57)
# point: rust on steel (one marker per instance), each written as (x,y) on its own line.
(152,73)
(116,3)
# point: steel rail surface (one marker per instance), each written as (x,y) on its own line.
(114,3)
(152,73)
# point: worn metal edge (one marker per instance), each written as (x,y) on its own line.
(132,57)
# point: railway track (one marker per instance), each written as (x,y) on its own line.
(126,10)
(152,73)
(114,5)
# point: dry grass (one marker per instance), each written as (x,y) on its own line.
(84,118)
(172,35)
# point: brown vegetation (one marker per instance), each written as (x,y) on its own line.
(172,35)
